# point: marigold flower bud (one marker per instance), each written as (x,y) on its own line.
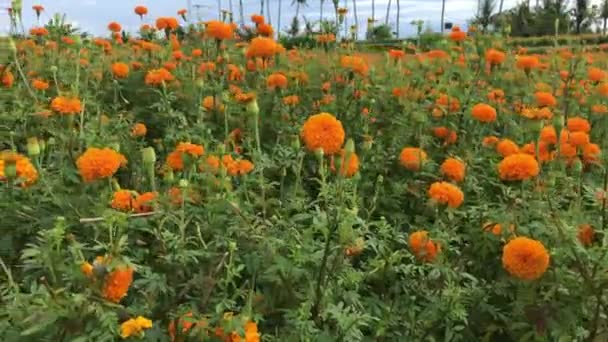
(10,168)
(295,142)
(319,153)
(148,156)
(350,146)
(577,166)
(33,148)
(53,69)
(252,107)
(168,177)
(183,183)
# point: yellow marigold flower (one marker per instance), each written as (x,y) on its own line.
(525,258)
(26,173)
(518,166)
(446,193)
(412,158)
(134,326)
(323,131)
(97,163)
(117,283)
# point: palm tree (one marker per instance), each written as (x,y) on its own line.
(485,14)
(442,15)
(219,9)
(279,18)
(604,15)
(298,3)
(581,13)
(500,7)
(261,7)
(373,9)
(268,12)
(321,11)
(398,12)
(242,17)
(356,17)
(230,9)
(388,8)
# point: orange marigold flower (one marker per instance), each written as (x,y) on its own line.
(159,76)
(451,103)
(525,258)
(396,54)
(599,109)
(507,147)
(449,136)
(585,234)
(184,323)
(212,102)
(596,74)
(141,10)
(591,153)
(548,135)
(412,158)
(66,105)
(262,47)
(276,80)
(489,141)
(496,95)
(350,168)
(175,159)
(323,131)
(26,173)
(143,203)
(265,30)
(182,12)
(86,268)
(457,35)
(423,247)
(123,200)
(527,63)
(446,193)
(578,124)
(484,112)
(117,283)
(545,99)
(40,84)
(172,23)
(114,27)
(38,9)
(97,163)
(219,30)
(120,70)
(6,78)
(577,138)
(258,19)
(494,57)
(518,166)
(454,169)
(291,100)
(602,89)
(355,64)
(139,130)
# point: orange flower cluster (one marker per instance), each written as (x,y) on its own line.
(326,38)
(39,31)
(120,70)
(175,159)
(525,258)
(97,163)
(139,130)
(506,147)
(453,169)
(276,80)
(114,27)
(141,10)
(484,112)
(517,167)
(291,100)
(323,131)
(355,64)
(117,283)
(527,63)
(494,57)
(265,30)
(127,201)
(446,193)
(25,173)
(40,85)
(347,169)
(423,247)
(263,47)
(66,105)
(160,76)
(585,235)
(457,35)
(449,136)
(167,23)
(219,30)
(412,158)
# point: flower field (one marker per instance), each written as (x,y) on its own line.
(188,183)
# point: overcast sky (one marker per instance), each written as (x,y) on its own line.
(94,15)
